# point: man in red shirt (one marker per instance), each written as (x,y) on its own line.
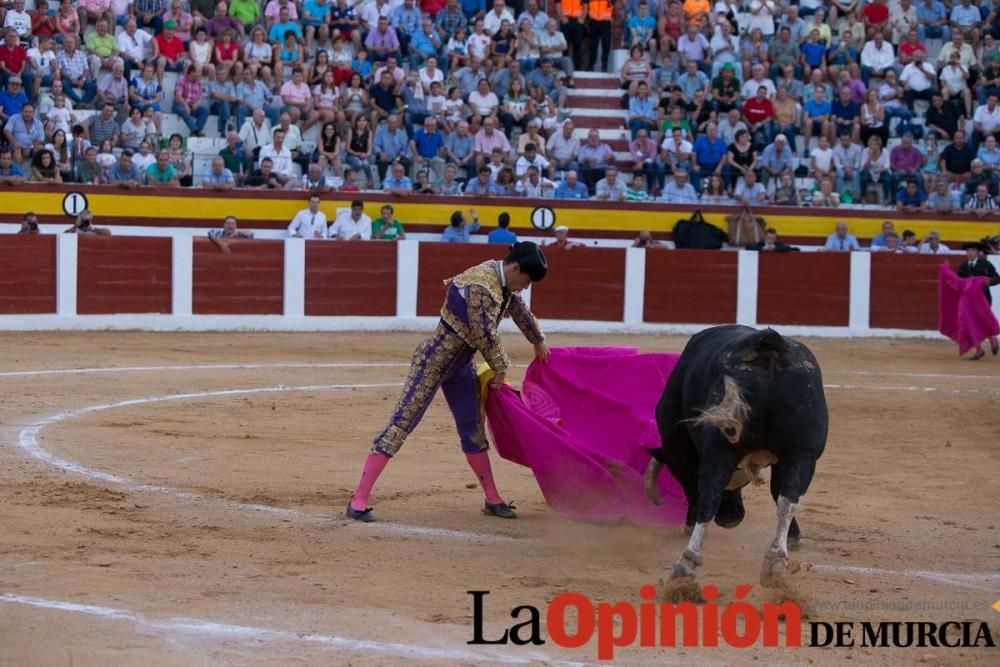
(908,49)
(168,50)
(758,114)
(876,15)
(14,61)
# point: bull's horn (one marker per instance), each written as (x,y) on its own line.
(652,472)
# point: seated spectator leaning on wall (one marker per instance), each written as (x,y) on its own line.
(771,243)
(29,225)
(562,240)
(229,230)
(85,225)
(388,228)
(10,172)
(460,230)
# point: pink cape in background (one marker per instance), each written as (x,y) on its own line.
(582,423)
(964,314)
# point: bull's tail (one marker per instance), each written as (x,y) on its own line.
(729,415)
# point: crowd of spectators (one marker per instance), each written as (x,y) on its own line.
(731,102)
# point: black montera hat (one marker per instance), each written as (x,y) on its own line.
(530,258)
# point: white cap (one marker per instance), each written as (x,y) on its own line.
(562,228)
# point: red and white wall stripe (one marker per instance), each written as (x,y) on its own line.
(171,283)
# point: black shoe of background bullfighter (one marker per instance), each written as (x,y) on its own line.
(731,510)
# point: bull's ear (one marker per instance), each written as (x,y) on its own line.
(657,454)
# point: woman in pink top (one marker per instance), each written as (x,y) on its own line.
(67,19)
(226,54)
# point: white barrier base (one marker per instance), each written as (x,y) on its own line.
(279,323)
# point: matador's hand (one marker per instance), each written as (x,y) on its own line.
(498,380)
(542,352)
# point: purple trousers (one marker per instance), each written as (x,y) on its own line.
(443,360)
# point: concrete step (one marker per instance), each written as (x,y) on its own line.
(606,81)
(574,102)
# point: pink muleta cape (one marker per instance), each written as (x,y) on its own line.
(964,314)
(583,423)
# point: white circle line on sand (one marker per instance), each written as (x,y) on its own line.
(28,440)
(223,631)
(189,367)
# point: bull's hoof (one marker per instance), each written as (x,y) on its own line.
(682,588)
(774,572)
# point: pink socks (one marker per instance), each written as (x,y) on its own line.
(480,464)
(374,465)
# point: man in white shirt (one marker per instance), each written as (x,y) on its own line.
(256,131)
(918,79)
(986,121)
(354,227)
(134,46)
(533,186)
(309,223)
(495,18)
(281,157)
(749,90)
(552,44)
(18,19)
(675,151)
(876,57)
(43,61)
(531,158)
(932,245)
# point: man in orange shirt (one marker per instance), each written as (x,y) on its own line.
(599,13)
(697,11)
(571,14)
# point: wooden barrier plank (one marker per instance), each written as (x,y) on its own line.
(248,281)
(351,278)
(123,274)
(804,288)
(690,286)
(904,290)
(440,261)
(582,284)
(27,274)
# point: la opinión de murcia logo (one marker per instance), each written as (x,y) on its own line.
(737,624)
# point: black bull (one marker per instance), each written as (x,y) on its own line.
(740,399)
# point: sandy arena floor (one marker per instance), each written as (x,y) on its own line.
(208,529)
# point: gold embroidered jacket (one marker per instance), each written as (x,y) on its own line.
(476,317)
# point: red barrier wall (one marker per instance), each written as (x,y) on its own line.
(582,284)
(690,286)
(350,278)
(123,274)
(804,288)
(248,281)
(27,274)
(440,261)
(904,290)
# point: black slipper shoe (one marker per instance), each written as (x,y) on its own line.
(977,356)
(365,515)
(502,510)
